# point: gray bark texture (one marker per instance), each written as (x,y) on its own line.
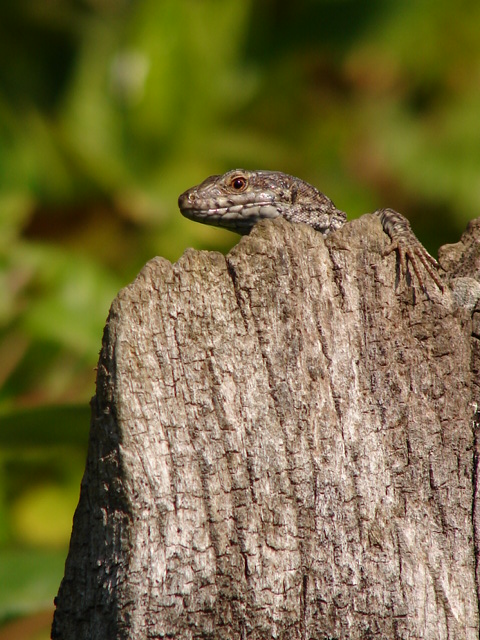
(283,445)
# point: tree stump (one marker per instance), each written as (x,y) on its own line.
(283,445)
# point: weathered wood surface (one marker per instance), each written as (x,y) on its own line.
(281,447)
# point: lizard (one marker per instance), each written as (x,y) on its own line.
(238,199)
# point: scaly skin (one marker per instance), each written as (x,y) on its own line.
(238,199)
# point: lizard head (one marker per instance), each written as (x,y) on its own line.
(240,198)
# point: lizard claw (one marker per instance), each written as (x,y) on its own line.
(415,254)
(409,249)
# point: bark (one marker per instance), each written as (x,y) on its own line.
(282,445)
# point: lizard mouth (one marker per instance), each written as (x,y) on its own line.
(241,211)
(236,217)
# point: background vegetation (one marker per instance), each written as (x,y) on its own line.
(110,108)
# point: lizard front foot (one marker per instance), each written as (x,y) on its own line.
(410,250)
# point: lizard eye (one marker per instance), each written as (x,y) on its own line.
(238,183)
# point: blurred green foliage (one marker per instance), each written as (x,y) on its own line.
(110,108)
